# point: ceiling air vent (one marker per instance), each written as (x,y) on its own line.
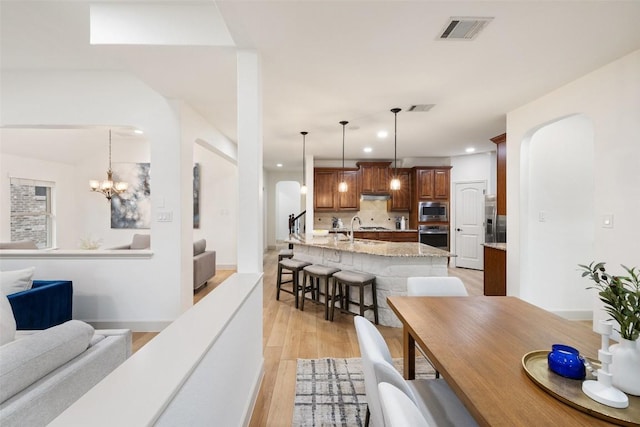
(463,27)
(421,108)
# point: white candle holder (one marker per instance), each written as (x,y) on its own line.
(602,390)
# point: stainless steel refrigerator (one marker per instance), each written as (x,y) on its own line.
(495,229)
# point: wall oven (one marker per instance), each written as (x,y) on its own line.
(434,235)
(433,211)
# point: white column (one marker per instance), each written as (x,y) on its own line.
(250,175)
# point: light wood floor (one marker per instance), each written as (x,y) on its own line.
(289,334)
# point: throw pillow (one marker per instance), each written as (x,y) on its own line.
(7,321)
(16,280)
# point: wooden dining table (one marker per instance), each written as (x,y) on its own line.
(477,345)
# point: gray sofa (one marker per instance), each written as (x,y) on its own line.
(43,372)
(204,264)
(139,241)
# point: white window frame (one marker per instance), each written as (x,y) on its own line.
(49,214)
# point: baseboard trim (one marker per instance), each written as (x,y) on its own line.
(134,325)
(574,314)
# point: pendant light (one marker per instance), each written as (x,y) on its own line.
(395,181)
(108,187)
(303,189)
(343,187)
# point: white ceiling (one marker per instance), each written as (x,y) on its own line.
(326,61)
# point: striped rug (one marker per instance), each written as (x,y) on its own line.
(330,392)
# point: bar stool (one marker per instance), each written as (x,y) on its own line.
(284,254)
(343,280)
(294,266)
(317,274)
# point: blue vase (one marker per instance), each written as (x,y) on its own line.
(566,361)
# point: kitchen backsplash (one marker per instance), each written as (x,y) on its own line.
(372,213)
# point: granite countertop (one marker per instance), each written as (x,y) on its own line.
(498,246)
(372,247)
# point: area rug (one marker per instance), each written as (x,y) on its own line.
(330,392)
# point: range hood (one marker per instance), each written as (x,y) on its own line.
(375,197)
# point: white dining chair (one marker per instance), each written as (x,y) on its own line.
(398,409)
(376,361)
(434,286)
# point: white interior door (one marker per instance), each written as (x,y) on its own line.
(469,224)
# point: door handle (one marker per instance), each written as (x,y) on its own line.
(458,229)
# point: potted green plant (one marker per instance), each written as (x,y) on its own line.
(621,298)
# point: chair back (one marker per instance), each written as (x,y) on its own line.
(373,349)
(398,410)
(447,286)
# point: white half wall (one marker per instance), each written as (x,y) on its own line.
(610,98)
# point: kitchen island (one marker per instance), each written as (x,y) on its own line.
(390,262)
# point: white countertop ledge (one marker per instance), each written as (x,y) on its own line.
(74,253)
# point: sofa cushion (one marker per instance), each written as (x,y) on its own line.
(7,321)
(25,361)
(16,280)
(199,246)
(141,241)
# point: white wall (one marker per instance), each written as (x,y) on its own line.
(559,201)
(218,186)
(78,212)
(151,291)
(610,98)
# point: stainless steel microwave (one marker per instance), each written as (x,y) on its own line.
(433,211)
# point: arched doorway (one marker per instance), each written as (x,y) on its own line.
(287,203)
(557,213)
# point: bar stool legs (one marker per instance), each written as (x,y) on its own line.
(343,281)
(294,266)
(316,275)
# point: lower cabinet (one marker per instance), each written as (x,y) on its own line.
(495,272)
(388,236)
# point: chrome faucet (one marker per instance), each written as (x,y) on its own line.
(351,232)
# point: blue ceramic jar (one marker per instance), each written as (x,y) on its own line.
(566,361)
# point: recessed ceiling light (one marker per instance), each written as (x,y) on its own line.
(470,150)
(382,134)
(279,165)
(138,132)
(367,149)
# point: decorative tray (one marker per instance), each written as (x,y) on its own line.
(570,391)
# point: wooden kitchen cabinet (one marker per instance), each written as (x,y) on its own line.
(432,183)
(374,177)
(401,199)
(327,198)
(495,271)
(388,236)
(501,173)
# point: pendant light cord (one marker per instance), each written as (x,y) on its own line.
(395,112)
(343,123)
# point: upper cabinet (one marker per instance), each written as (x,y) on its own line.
(501,173)
(401,199)
(374,177)
(325,190)
(432,183)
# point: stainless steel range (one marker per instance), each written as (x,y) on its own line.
(434,235)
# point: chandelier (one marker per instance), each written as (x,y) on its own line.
(108,187)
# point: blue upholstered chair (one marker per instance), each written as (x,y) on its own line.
(47,303)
